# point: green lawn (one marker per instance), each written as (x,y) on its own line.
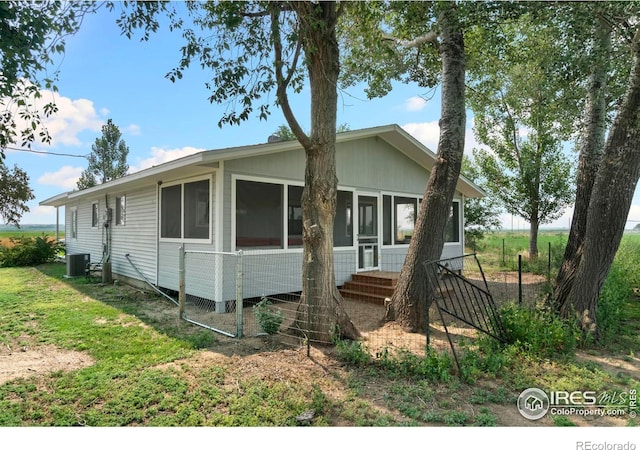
(152,369)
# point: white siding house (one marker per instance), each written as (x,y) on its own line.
(248,198)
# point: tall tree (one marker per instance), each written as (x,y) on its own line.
(108,158)
(253,48)
(611,194)
(520,110)
(410,299)
(590,153)
(606,30)
(14,194)
(422,42)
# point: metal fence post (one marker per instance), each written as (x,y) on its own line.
(520,279)
(549,264)
(239,299)
(181,277)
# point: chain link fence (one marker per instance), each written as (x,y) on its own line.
(260,294)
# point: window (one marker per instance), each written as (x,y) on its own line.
(95,214)
(74,223)
(452,229)
(185,211)
(196,210)
(171,206)
(259,221)
(121,203)
(398,219)
(405,219)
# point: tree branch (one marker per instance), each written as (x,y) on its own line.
(283,82)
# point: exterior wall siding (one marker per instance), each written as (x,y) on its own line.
(138,236)
(89,239)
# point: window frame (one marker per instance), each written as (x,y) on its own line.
(393,219)
(73,231)
(95,214)
(121,213)
(181,183)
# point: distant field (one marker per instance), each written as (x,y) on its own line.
(6,233)
(500,250)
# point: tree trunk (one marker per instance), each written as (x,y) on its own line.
(609,205)
(533,237)
(412,295)
(321,312)
(589,160)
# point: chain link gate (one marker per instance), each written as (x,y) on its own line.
(211,290)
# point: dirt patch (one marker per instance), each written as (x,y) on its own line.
(25,361)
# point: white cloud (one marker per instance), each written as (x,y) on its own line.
(426,132)
(429,133)
(133,129)
(66,177)
(413,104)
(161,155)
(72,118)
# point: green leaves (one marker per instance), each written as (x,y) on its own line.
(14,194)
(31,34)
(108,158)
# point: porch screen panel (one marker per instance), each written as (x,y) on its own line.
(171,204)
(294,215)
(196,210)
(343,224)
(386,220)
(259,215)
(452,229)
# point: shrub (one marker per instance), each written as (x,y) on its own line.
(268,316)
(615,291)
(353,352)
(538,331)
(435,366)
(29,251)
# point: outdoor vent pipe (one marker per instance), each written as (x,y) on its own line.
(147,281)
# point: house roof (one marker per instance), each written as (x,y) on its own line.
(205,160)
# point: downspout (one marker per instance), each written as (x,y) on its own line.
(57,224)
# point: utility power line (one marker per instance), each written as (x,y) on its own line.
(28,150)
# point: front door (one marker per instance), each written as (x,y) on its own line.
(367,232)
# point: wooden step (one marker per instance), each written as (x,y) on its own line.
(377,278)
(368,288)
(376,299)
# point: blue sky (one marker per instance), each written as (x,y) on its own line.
(105,75)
